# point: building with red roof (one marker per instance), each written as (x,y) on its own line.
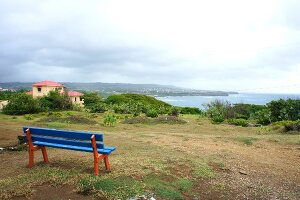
(43,88)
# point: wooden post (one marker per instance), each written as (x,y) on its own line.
(106,161)
(30,149)
(96,157)
(45,155)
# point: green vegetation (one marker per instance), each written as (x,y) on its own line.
(240,114)
(21,103)
(110,120)
(238,122)
(56,101)
(246,140)
(92,99)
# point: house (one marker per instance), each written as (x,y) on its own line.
(43,88)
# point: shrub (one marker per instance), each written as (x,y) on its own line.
(238,122)
(175,111)
(110,120)
(98,108)
(22,104)
(244,111)
(284,109)
(28,117)
(91,99)
(288,125)
(190,110)
(152,113)
(218,110)
(56,101)
(262,117)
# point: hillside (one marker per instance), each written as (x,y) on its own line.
(115,88)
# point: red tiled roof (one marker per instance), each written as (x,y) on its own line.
(48,83)
(74,94)
(29,92)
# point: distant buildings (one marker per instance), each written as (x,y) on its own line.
(43,88)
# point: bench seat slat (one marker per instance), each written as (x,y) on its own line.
(66,142)
(106,150)
(78,135)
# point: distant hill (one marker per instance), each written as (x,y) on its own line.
(116,88)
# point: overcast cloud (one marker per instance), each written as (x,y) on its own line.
(221,45)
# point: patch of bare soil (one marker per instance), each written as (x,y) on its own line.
(261,171)
(46,192)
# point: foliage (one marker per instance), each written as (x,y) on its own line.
(244,111)
(175,111)
(110,120)
(262,116)
(7,95)
(152,113)
(238,122)
(99,107)
(28,117)
(288,125)
(56,101)
(164,119)
(284,109)
(190,110)
(136,104)
(91,99)
(22,104)
(219,110)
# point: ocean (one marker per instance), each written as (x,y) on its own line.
(247,98)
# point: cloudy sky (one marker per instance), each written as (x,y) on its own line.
(247,46)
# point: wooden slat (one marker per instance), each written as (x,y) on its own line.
(66,142)
(77,148)
(76,135)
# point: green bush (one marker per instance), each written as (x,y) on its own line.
(110,120)
(22,104)
(175,111)
(56,101)
(136,104)
(284,109)
(288,125)
(152,113)
(244,111)
(98,108)
(190,110)
(219,110)
(262,117)
(28,117)
(91,99)
(238,122)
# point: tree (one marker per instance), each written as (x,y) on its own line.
(22,104)
(56,101)
(91,99)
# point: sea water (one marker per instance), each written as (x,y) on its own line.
(246,98)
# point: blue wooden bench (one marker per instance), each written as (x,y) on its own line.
(40,138)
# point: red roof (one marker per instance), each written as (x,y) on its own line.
(74,94)
(29,92)
(48,83)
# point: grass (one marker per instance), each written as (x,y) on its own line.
(173,161)
(246,140)
(203,170)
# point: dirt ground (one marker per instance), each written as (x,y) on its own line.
(267,168)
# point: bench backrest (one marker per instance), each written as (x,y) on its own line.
(65,137)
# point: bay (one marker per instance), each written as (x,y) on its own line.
(246,98)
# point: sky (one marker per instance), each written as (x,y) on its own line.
(232,45)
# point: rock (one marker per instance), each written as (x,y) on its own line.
(243,172)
